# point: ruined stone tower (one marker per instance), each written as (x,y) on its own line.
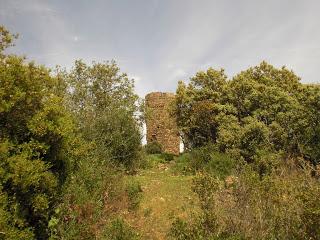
(162,127)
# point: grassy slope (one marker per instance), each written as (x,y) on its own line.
(165,195)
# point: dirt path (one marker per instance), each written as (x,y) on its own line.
(165,196)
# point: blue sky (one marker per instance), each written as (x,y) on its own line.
(158,42)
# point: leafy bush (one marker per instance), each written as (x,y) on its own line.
(206,159)
(92,195)
(34,135)
(117,137)
(280,205)
(153,148)
(105,106)
(167,156)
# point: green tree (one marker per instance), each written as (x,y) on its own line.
(34,125)
(198,106)
(106,107)
(213,109)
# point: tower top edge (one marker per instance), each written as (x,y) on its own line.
(160,94)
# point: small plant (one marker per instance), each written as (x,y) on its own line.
(134,191)
(153,148)
(220,165)
(118,229)
(147,212)
(205,159)
(167,156)
(182,164)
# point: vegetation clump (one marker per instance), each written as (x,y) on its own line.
(65,139)
(280,205)
(134,192)
(153,148)
(253,144)
(262,108)
(206,159)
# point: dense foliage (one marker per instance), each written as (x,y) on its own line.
(207,159)
(65,138)
(35,127)
(153,148)
(253,142)
(104,104)
(260,108)
(102,101)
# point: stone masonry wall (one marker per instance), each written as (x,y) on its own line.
(161,127)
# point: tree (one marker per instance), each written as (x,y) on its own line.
(34,125)
(213,109)
(198,105)
(105,105)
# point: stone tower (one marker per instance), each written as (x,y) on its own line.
(162,127)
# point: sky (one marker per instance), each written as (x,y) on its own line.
(159,42)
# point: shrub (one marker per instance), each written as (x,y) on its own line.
(206,159)
(92,194)
(199,158)
(153,148)
(118,229)
(167,156)
(117,138)
(220,165)
(279,205)
(134,191)
(34,129)
(182,164)
(105,106)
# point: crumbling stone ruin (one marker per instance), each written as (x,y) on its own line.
(161,126)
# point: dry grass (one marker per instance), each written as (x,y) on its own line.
(165,196)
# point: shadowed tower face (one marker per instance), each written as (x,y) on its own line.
(161,127)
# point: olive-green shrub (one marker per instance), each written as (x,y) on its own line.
(153,148)
(280,205)
(206,159)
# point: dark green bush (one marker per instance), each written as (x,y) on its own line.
(167,156)
(200,157)
(206,159)
(153,148)
(220,165)
(118,139)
